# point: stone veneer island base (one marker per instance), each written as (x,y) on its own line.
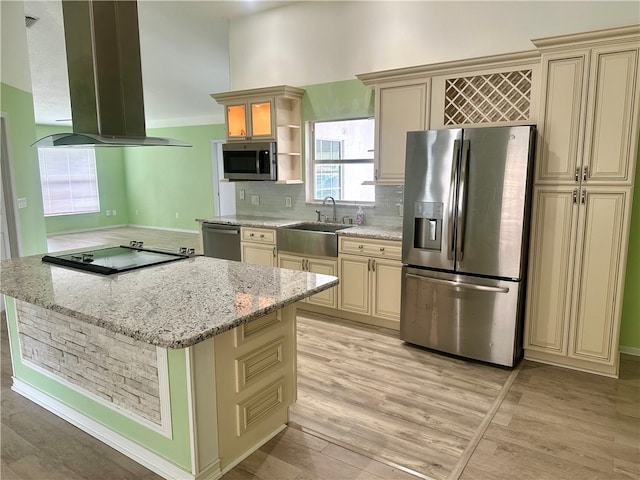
(190,405)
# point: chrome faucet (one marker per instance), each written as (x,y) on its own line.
(324,202)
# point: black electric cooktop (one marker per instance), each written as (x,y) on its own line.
(107,261)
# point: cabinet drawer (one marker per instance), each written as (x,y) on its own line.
(259,235)
(371,248)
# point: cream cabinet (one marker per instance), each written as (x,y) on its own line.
(255,379)
(258,246)
(576,269)
(252,120)
(589,128)
(400,108)
(268,114)
(370,276)
(585,169)
(324,265)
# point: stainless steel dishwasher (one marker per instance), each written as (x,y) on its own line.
(221,241)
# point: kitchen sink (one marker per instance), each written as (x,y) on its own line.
(310,238)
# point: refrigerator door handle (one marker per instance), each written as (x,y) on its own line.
(468,286)
(462,200)
(452,192)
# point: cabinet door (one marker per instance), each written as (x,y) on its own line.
(564,94)
(354,283)
(399,109)
(610,140)
(261,119)
(599,268)
(327,298)
(387,277)
(259,254)
(552,250)
(237,121)
(292,262)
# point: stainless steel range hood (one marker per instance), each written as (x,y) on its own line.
(105,77)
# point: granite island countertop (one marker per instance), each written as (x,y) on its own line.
(173,305)
(380,232)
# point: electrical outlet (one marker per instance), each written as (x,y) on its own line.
(22,203)
(114,212)
(108,213)
(287,202)
(255,200)
(137,212)
(177,215)
(241,194)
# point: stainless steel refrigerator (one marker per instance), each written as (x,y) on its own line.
(464,243)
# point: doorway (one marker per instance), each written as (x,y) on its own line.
(224,192)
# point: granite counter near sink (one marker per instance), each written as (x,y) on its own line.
(379,232)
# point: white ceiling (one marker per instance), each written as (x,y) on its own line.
(184,54)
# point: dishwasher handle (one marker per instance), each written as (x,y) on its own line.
(229,230)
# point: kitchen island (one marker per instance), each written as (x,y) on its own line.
(185,367)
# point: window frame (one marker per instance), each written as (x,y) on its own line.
(311,161)
(91,178)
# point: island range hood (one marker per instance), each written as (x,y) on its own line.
(105,77)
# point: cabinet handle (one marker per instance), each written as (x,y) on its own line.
(368,265)
(575,196)
(373,265)
(577,177)
(382,249)
(274,252)
(583,197)
(360,247)
(585,173)
(375,174)
(262,235)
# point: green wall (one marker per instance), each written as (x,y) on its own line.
(169,187)
(111,187)
(337,100)
(18,105)
(630,327)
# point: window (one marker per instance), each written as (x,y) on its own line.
(69,180)
(341,159)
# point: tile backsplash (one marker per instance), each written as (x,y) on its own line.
(272,203)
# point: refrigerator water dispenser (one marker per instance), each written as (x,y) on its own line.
(427,232)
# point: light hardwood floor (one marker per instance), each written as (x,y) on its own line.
(371,407)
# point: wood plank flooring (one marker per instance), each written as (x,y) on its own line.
(371,407)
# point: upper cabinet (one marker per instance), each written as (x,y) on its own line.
(497,90)
(589,112)
(400,108)
(268,114)
(250,120)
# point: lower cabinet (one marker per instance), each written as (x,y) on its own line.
(578,252)
(370,281)
(258,246)
(325,265)
(255,380)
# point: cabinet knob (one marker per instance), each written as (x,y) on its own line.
(360,247)
(262,235)
(382,249)
(251,234)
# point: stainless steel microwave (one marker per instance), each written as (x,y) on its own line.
(250,161)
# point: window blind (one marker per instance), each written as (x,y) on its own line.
(69,181)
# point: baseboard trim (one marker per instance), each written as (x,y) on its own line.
(144,457)
(635,351)
(82,230)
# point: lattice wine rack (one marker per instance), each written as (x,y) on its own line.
(492,98)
